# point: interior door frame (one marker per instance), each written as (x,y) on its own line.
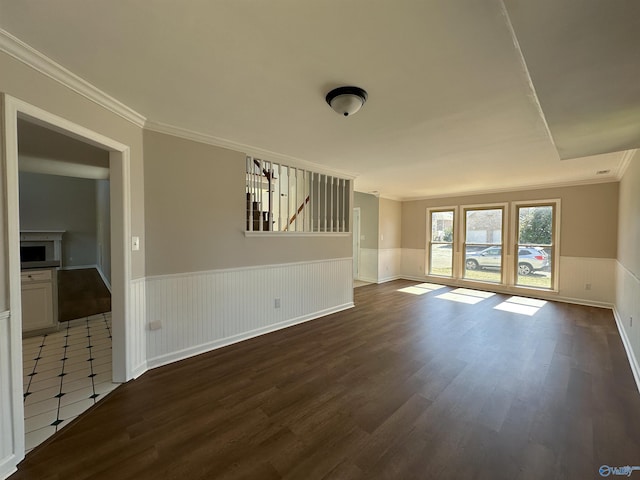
(120,204)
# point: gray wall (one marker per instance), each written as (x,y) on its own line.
(195,213)
(51,202)
(390,222)
(369,218)
(103,227)
(589,217)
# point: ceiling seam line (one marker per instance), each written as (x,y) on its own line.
(523,63)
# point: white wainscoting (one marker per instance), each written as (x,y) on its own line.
(137,333)
(412,263)
(11,411)
(368,265)
(627,307)
(193,313)
(576,272)
(389,264)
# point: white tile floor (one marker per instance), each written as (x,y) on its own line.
(65,373)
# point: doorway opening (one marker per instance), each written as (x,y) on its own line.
(122,367)
(65,260)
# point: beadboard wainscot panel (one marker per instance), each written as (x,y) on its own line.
(389,264)
(138,327)
(369,265)
(627,314)
(11,413)
(193,313)
(587,280)
(412,263)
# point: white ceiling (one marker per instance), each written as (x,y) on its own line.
(464,95)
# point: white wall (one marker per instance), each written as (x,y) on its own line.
(627,301)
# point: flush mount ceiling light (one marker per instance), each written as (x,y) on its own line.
(346,100)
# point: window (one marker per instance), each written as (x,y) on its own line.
(513,244)
(483,244)
(441,242)
(535,245)
(281,198)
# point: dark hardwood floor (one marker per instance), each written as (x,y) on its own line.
(81,293)
(400,387)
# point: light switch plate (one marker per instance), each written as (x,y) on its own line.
(135,243)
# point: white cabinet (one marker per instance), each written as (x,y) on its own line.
(39,300)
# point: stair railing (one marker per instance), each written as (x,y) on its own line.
(295,215)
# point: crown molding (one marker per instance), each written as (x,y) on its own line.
(624,163)
(521,188)
(31,57)
(260,153)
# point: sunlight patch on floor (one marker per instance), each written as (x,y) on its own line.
(521,305)
(466,295)
(421,288)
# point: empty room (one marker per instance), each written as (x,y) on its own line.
(344,240)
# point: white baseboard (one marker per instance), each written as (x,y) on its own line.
(78,267)
(106,282)
(207,347)
(390,278)
(139,370)
(633,361)
(367,279)
(8,466)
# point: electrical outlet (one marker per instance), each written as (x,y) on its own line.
(276,303)
(155,325)
(587,286)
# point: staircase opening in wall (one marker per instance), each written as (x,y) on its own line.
(281,198)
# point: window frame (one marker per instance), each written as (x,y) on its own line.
(504,228)
(428,266)
(555,204)
(509,259)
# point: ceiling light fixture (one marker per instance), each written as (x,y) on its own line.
(346,100)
